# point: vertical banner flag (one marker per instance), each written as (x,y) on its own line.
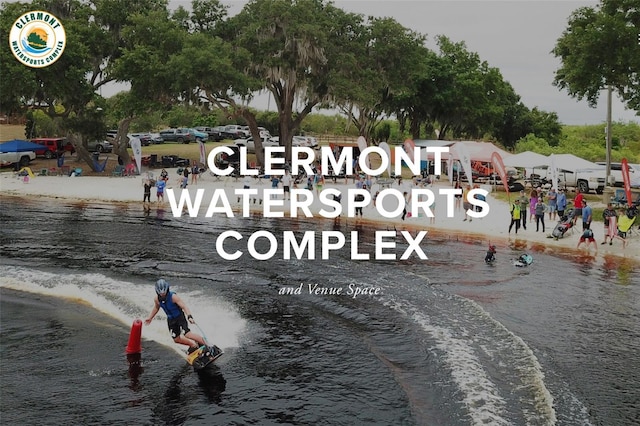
(626,180)
(465,160)
(385,147)
(498,165)
(362,145)
(554,172)
(203,153)
(410,148)
(450,168)
(136,147)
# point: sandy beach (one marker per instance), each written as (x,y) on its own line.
(490,229)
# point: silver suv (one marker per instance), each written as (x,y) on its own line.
(100,146)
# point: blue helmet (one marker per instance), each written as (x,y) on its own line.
(162,286)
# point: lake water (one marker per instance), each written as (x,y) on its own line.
(447,341)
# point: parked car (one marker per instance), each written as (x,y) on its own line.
(249,143)
(237,131)
(100,146)
(180,135)
(20,159)
(616,173)
(145,138)
(198,135)
(156,138)
(53,147)
(215,133)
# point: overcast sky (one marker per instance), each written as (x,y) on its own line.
(514,36)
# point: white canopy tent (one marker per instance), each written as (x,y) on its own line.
(571,163)
(527,160)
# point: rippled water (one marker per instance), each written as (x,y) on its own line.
(449,341)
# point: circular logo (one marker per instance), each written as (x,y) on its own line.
(37,39)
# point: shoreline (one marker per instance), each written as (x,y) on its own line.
(482,231)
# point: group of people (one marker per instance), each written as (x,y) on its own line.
(534,206)
(163,179)
(611,231)
(555,203)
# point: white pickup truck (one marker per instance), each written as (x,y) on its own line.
(21,159)
(585,180)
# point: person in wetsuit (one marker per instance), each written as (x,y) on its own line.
(178,316)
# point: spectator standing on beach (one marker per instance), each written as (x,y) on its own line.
(147,192)
(160,185)
(586,215)
(466,205)
(195,171)
(515,215)
(319,180)
(561,202)
(432,219)
(533,202)
(275,180)
(458,197)
(551,203)
(609,215)
(164,175)
(524,202)
(405,194)
(360,198)
(539,213)
(577,205)
(286,185)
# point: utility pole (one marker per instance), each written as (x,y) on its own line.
(607,131)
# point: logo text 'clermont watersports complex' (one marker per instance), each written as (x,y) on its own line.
(37,39)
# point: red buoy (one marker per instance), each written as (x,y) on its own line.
(135,346)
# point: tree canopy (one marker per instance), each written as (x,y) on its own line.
(600,48)
(306,54)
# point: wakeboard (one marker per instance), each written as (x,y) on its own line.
(523,261)
(203,356)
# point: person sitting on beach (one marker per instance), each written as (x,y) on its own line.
(587,236)
(177,315)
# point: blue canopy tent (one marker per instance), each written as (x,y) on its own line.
(18,145)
